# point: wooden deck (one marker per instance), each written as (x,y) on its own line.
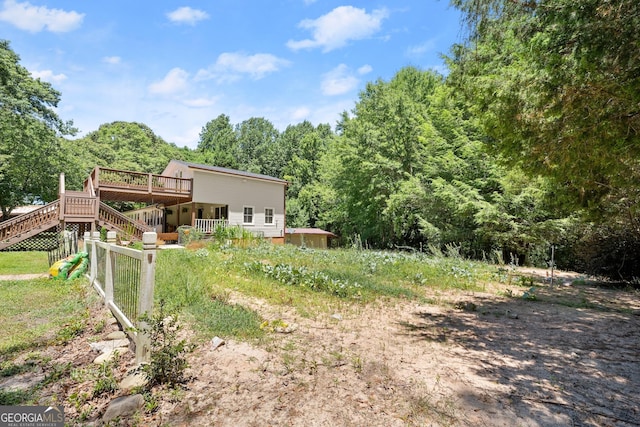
(87,206)
(127,186)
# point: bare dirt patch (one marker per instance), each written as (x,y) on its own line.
(569,357)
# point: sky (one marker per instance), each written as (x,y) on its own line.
(176,65)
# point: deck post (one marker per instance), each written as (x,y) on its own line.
(145,300)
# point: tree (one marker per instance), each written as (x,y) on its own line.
(556,84)
(29,135)
(257,147)
(219,144)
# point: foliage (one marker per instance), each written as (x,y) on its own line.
(168,352)
(555,84)
(218,143)
(30,154)
(309,279)
(120,145)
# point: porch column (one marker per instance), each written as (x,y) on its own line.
(193,213)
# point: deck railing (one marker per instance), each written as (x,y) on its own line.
(209,226)
(28,224)
(129,228)
(125,279)
(152,183)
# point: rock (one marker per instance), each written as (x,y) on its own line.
(286,329)
(102,346)
(512,315)
(111,320)
(123,407)
(22,382)
(117,335)
(132,381)
(216,342)
(336,316)
(109,355)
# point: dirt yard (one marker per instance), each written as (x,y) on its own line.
(568,358)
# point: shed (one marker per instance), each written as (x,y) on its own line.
(308,237)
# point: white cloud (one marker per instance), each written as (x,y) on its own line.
(175,81)
(338,27)
(48,76)
(231,66)
(421,49)
(186,15)
(113,60)
(37,18)
(299,114)
(365,69)
(200,102)
(338,81)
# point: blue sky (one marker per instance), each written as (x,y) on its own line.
(175,65)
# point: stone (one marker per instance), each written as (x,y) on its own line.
(102,346)
(22,382)
(216,342)
(123,407)
(336,316)
(287,329)
(109,355)
(132,381)
(117,335)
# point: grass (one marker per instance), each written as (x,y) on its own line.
(23,263)
(201,281)
(34,313)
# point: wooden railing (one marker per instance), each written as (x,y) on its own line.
(78,205)
(130,229)
(152,183)
(29,224)
(208,226)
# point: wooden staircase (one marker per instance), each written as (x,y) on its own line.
(82,207)
(72,207)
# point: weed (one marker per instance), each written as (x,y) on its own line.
(168,352)
(106,382)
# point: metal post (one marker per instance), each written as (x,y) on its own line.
(553,249)
(145,299)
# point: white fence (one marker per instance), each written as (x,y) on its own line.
(125,279)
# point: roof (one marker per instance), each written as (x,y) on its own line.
(228,171)
(316,231)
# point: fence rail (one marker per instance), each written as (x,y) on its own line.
(125,279)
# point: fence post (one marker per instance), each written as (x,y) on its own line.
(145,300)
(95,237)
(92,260)
(109,268)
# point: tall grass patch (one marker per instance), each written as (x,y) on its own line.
(192,281)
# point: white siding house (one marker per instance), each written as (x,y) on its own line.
(254,201)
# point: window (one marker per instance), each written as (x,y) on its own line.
(268,216)
(248,215)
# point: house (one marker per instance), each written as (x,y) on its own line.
(221,197)
(308,237)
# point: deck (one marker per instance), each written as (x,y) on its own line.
(127,186)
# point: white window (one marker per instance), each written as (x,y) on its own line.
(248,215)
(268,216)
